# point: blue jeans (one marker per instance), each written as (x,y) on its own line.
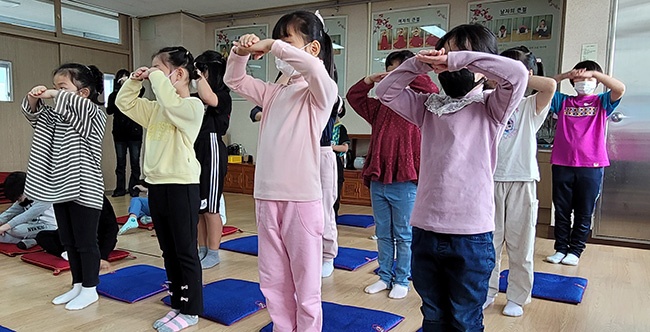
(451,274)
(392,205)
(575,189)
(133,148)
(139,206)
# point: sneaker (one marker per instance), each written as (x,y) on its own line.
(26,244)
(118,193)
(145,220)
(64,255)
(131,223)
(555,258)
(570,259)
(328,269)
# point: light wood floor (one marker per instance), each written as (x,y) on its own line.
(617,297)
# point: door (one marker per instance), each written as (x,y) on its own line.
(624,209)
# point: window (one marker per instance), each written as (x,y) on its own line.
(85,21)
(6,88)
(36,14)
(109,79)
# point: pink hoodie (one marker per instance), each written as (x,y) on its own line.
(288,154)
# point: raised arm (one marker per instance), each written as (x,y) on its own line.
(617,87)
(511,77)
(237,80)
(205,92)
(358,99)
(182,112)
(138,109)
(323,89)
(545,90)
(393,93)
(82,114)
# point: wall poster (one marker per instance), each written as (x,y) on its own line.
(336,27)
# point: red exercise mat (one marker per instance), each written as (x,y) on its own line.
(11,249)
(122,220)
(227,230)
(58,264)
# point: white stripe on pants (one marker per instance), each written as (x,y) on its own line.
(515,220)
(329,185)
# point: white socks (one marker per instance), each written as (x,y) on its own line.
(555,258)
(513,309)
(68,296)
(488,301)
(376,287)
(78,297)
(86,297)
(570,259)
(398,292)
(328,268)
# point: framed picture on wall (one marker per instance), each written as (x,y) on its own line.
(337,28)
(531,23)
(224,37)
(411,29)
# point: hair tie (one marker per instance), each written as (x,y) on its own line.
(317,13)
(538,60)
(187,53)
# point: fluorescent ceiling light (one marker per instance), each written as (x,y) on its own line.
(337,46)
(9,3)
(434,30)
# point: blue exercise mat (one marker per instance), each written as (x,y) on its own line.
(351,259)
(245,245)
(133,283)
(376,271)
(345,318)
(356,220)
(552,287)
(228,301)
(4,329)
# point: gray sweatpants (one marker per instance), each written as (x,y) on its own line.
(25,231)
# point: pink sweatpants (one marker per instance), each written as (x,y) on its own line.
(290,250)
(328,184)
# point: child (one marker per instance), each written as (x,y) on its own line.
(453,215)
(391,173)
(106,237)
(288,193)
(340,145)
(211,152)
(170,167)
(579,155)
(138,209)
(22,221)
(127,136)
(65,169)
(515,193)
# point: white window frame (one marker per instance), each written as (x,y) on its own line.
(10,78)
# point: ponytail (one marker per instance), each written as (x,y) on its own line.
(523,54)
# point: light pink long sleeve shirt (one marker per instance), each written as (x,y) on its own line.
(459,150)
(288,153)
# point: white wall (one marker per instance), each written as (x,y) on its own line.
(586,22)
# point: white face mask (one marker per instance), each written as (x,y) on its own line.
(286,68)
(195,84)
(585,87)
(170,75)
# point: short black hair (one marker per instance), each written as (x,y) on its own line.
(15,185)
(471,37)
(588,65)
(400,56)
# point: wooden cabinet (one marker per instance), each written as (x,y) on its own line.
(239,178)
(544,194)
(354,191)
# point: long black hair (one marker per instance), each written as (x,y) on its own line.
(82,76)
(523,54)
(311,28)
(178,57)
(214,64)
(474,37)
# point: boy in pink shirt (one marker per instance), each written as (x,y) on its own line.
(579,155)
(288,193)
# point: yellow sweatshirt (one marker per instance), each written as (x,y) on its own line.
(172,124)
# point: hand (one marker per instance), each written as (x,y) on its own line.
(583,73)
(200,74)
(4,228)
(37,91)
(374,78)
(436,59)
(251,44)
(140,74)
(47,94)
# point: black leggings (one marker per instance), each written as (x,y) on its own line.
(78,232)
(175,214)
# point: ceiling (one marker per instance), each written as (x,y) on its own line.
(143,8)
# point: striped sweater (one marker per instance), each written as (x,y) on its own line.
(66,154)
